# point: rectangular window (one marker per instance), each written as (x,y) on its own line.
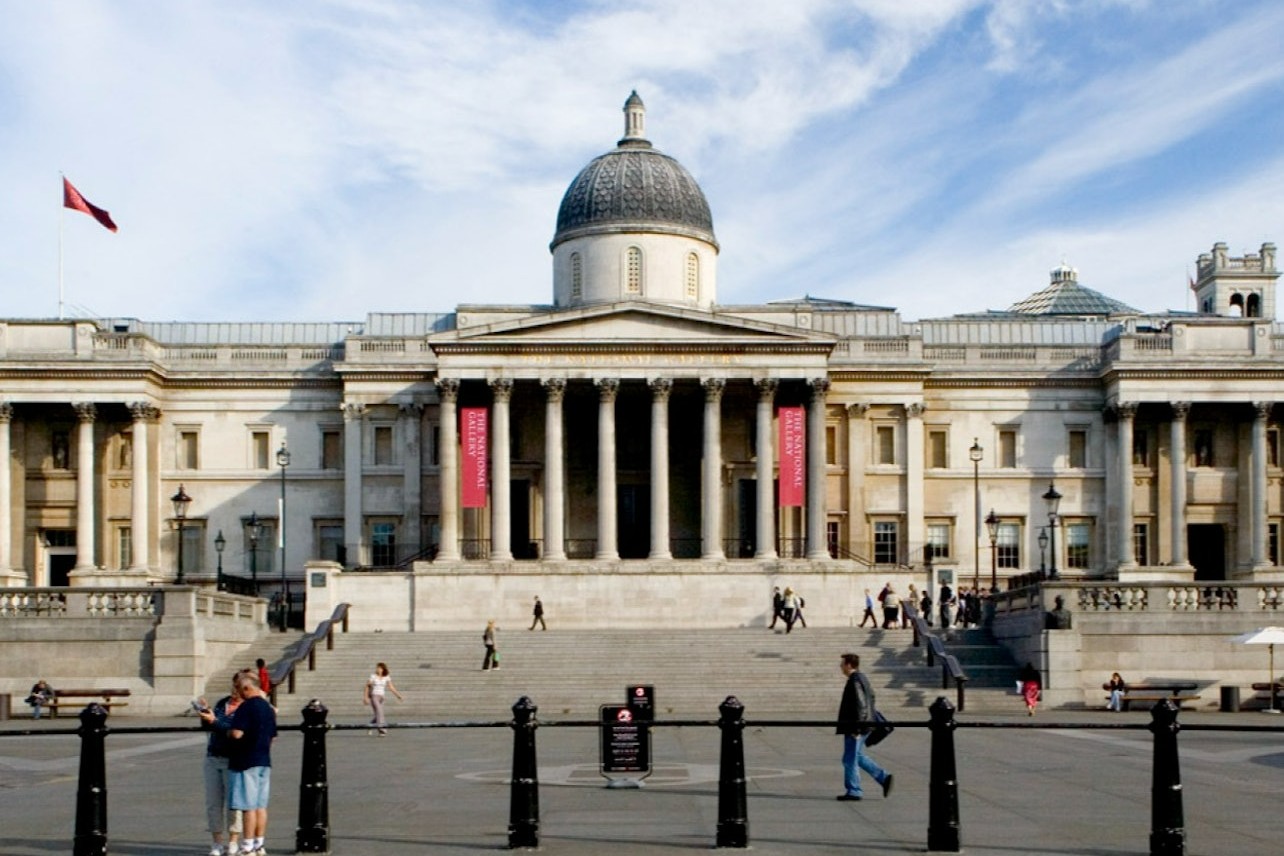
(831,537)
(382,445)
(831,444)
(434,454)
(330,542)
(1008,549)
(260,441)
(1078,449)
(937,450)
(886,546)
(1078,541)
(1141,448)
(1273,448)
(885,442)
(124,547)
(188,450)
(1007,449)
(260,553)
(1273,543)
(938,541)
(383,544)
(1141,543)
(193,547)
(1203,447)
(331,450)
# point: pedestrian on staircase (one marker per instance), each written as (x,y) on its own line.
(912,600)
(925,606)
(869,610)
(538,613)
(777,607)
(790,608)
(377,687)
(491,660)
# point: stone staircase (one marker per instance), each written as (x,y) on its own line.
(569,673)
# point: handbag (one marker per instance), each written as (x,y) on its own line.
(879,732)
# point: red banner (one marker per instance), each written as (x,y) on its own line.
(473,478)
(793,456)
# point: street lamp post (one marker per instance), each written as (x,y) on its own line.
(283,461)
(253,529)
(181,500)
(220,544)
(992,524)
(1043,547)
(975,454)
(1053,499)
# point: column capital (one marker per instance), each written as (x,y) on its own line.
(915,409)
(858,410)
(1262,409)
(661,388)
(501,389)
(414,409)
(766,387)
(353,411)
(1126,409)
(447,388)
(85,411)
(6,411)
(818,386)
(554,387)
(607,388)
(1181,409)
(713,387)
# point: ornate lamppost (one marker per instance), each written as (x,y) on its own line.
(283,461)
(992,525)
(181,500)
(1043,547)
(253,529)
(220,544)
(1053,499)
(975,454)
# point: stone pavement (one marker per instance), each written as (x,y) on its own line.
(444,791)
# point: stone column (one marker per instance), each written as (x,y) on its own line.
(139,524)
(711,505)
(1261,412)
(1126,411)
(817,515)
(766,523)
(412,424)
(554,471)
(915,528)
(661,388)
(353,417)
(85,535)
(607,542)
(858,450)
(6,497)
(448,456)
(1177,498)
(501,525)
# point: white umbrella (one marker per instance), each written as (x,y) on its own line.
(1269,636)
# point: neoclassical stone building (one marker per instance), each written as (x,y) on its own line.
(633,426)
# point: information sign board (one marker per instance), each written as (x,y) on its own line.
(626,741)
(641,697)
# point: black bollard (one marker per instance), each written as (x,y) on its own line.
(91,793)
(943,833)
(1167,819)
(313,833)
(733,811)
(523,804)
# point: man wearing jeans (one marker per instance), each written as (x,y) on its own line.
(857,707)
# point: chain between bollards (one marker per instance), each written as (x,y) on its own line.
(523,805)
(313,832)
(733,810)
(91,793)
(943,827)
(1167,817)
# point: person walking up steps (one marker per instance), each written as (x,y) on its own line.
(857,706)
(491,658)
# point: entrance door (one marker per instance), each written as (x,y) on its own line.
(519,519)
(748,518)
(1206,544)
(633,520)
(60,565)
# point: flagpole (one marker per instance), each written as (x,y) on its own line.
(60,292)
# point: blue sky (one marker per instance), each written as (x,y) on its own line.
(320,160)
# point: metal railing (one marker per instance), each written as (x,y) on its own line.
(282,671)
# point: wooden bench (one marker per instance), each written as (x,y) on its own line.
(1156,692)
(79,698)
(1265,689)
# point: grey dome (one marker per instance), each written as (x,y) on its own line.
(634,188)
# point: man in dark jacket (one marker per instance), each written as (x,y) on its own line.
(857,707)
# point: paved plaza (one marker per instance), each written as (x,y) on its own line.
(444,791)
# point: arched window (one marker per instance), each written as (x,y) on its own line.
(1254,306)
(577,277)
(693,276)
(1236,305)
(633,271)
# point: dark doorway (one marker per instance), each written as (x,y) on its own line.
(1206,543)
(59,568)
(633,520)
(519,517)
(748,518)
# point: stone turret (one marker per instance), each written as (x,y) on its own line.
(1236,287)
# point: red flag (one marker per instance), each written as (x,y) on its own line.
(72,199)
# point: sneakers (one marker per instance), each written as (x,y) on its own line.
(216,850)
(848,798)
(887,785)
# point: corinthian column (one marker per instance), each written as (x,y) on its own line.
(448,393)
(607,547)
(85,535)
(554,471)
(1177,464)
(139,522)
(1261,412)
(711,517)
(353,416)
(765,533)
(661,387)
(1127,412)
(817,515)
(6,536)
(501,527)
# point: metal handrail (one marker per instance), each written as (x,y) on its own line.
(282,671)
